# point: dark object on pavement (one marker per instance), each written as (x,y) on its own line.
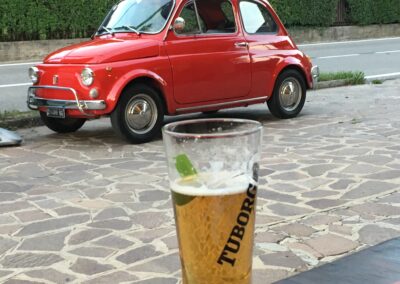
(378,265)
(9,138)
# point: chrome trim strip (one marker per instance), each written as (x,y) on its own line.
(35,102)
(65,104)
(219,104)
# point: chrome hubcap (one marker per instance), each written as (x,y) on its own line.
(141,114)
(290,94)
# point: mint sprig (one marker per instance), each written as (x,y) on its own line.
(184,166)
(186,170)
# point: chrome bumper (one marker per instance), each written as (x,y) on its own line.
(35,102)
(315,76)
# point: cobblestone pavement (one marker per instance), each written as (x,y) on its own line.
(88,208)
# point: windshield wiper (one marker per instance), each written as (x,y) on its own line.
(108,30)
(131,29)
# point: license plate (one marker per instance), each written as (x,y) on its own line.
(56,112)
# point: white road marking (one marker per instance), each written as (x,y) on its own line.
(337,56)
(15,85)
(349,42)
(388,75)
(19,64)
(389,51)
(355,54)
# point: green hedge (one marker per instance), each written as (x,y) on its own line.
(323,12)
(54,19)
(366,12)
(50,19)
(306,12)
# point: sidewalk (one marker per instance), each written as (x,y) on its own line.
(88,208)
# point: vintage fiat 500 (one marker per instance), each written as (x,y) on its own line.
(151,58)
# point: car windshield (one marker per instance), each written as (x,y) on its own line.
(138,16)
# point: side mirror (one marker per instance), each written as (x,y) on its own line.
(179,25)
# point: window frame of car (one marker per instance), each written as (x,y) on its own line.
(261,3)
(198,18)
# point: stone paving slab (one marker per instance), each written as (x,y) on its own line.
(89,208)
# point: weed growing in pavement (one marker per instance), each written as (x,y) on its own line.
(356,121)
(351,77)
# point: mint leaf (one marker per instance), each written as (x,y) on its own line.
(184,166)
(186,170)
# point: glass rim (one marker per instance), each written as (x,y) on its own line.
(256,127)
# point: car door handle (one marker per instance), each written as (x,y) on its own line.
(241,44)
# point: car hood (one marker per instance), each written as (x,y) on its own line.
(105,50)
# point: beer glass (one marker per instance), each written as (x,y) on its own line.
(213,172)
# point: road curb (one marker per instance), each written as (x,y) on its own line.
(342,83)
(21,122)
(331,84)
(370,79)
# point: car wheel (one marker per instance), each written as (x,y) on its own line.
(62,125)
(139,114)
(289,95)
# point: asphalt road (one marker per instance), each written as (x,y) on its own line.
(14,83)
(376,58)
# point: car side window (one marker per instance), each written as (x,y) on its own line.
(191,24)
(256,18)
(218,16)
(213,16)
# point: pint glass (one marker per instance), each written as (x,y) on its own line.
(213,172)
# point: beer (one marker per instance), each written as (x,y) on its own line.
(213,172)
(215,228)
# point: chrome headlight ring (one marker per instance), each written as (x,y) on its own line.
(87,76)
(34,74)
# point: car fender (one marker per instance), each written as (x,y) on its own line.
(297,63)
(126,79)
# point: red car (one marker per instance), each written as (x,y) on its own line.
(151,58)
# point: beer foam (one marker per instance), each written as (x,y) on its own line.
(213,184)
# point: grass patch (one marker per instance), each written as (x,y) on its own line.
(15,119)
(351,78)
(15,114)
(377,82)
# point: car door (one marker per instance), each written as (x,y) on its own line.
(266,45)
(209,57)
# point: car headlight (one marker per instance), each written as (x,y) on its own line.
(87,76)
(34,74)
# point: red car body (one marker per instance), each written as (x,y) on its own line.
(191,73)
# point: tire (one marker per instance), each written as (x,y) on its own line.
(62,125)
(289,95)
(139,114)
